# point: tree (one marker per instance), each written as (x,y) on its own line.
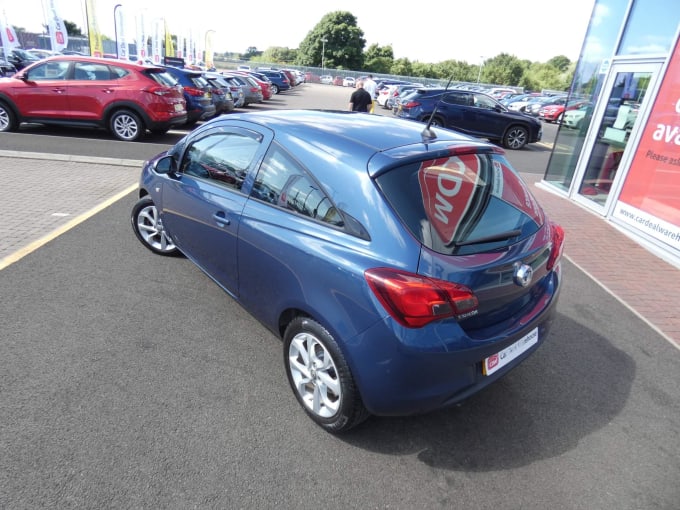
(503,69)
(343,46)
(456,70)
(250,53)
(540,76)
(560,62)
(72,28)
(422,69)
(379,59)
(277,55)
(401,67)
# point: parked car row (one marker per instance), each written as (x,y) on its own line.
(388,94)
(126,98)
(18,58)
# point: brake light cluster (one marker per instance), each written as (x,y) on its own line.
(414,300)
(411,104)
(160,91)
(557,234)
(194,92)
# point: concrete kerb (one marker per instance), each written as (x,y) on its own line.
(72,158)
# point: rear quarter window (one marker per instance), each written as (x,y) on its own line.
(162,78)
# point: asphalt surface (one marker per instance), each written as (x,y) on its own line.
(129,380)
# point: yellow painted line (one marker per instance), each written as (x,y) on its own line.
(31,247)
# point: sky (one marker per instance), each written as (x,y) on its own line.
(537,30)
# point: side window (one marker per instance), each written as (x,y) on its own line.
(221,157)
(283,182)
(49,71)
(459,98)
(118,72)
(482,101)
(91,71)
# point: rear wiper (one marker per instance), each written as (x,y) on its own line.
(503,236)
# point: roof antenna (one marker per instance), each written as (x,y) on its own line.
(428,135)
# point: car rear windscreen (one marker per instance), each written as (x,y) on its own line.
(463,204)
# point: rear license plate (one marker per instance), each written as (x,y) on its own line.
(179,107)
(502,358)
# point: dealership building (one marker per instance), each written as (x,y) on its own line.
(620,156)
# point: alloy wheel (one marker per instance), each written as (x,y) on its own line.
(315,376)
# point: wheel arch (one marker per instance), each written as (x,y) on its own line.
(113,108)
(289,314)
(7,101)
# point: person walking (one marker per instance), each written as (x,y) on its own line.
(370,86)
(360,100)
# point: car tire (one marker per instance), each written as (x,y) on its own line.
(126,126)
(8,121)
(515,137)
(275,89)
(148,228)
(436,121)
(320,377)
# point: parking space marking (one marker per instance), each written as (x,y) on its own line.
(34,245)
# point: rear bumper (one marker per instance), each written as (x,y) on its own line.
(403,372)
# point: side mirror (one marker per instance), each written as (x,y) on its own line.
(165,165)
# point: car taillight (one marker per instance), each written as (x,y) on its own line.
(194,92)
(557,245)
(414,300)
(160,91)
(410,104)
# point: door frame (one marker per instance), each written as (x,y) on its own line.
(653,67)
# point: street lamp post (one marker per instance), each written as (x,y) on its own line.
(323,53)
(481,64)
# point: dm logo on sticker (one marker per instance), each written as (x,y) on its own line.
(492,362)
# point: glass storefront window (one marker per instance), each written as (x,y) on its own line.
(649,201)
(618,120)
(651,27)
(598,48)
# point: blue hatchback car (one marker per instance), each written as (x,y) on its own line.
(403,269)
(197,94)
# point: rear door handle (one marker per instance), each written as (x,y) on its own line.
(221,219)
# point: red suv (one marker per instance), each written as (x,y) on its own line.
(123,97)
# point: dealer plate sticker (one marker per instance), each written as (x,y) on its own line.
(502,358)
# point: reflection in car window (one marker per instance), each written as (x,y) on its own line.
(118,72)
(162,77)
(91,71)
(482,101)
(460,98)
(282,181)
(49,71)
(221,157)
(449,203)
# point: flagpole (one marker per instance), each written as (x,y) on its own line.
(115,27)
